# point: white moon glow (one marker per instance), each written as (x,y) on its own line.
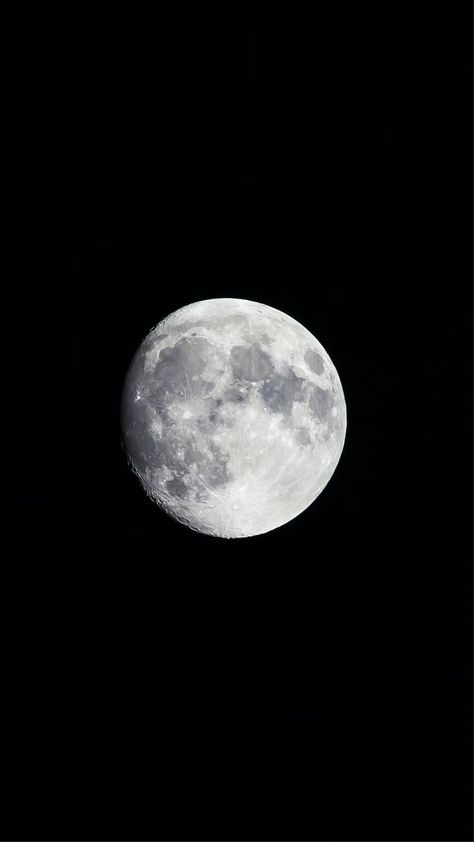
(233,417)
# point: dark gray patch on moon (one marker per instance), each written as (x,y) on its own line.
(302,435)
(280,391)
(191,353)
(210,467)
(321,403)
(212,408)
(235,395)
(217,473)
(314,361)
(174,372)
(250,362)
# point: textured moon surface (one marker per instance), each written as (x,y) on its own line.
(233,417)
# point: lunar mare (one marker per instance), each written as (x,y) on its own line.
(233,417)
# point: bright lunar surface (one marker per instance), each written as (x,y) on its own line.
(233,417)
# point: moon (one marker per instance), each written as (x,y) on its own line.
(233,417)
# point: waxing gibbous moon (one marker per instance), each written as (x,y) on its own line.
(233,417)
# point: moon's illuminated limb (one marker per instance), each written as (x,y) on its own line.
(233,417)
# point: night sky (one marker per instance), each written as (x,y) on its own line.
(314,682)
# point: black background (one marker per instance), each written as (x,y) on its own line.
(314,682)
